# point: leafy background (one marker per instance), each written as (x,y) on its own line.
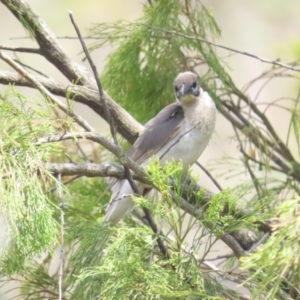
(268,29)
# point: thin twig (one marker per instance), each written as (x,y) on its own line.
(30,68)
(22,50)
(173,32)
(126,125)
(261,164)
(260,242)
(66,37)
(210,176)
(154,228)
(255,136)
(48,43)
(66,182)
(82,152)
(246,162)
(226,256)
(97,78)
(62,223)
(98,138)
(283,149)
(148,215)
(253,177)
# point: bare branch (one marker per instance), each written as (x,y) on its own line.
(90,170)
(53,52)
(228,239)
(284,150)
(225,256)
(87,54)
(148,216)
(126,125)
(62,224)
(30,68)
(98,138)
(173,32)
(153,226)
(260,242)
(105,170)
(21,49)
(97,79)
(257,138)
(209,175)
(82,122)
(49,45)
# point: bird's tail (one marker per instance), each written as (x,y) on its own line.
(120,203)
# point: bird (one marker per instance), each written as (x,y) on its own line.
(179,132)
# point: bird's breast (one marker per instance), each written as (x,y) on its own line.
(193,134)
(186,146)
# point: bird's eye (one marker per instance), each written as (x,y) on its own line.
(194,85)
(176,88)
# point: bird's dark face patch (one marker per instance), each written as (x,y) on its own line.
(186,87)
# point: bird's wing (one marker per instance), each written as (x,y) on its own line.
(158,131)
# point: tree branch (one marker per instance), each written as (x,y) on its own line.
(21,49)
(98,138)
(83,95)
(82,122)
(51,49)
(243,237)
(126,125)
(196,38)
(53,52)
(188,191)
(97,79)
(209,175)
(148,216)
(49,45)
(90,170)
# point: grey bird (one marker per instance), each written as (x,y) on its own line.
(180,131)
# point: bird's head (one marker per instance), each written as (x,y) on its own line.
(187,89)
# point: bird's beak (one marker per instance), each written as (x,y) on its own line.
(185,94)
(184,89)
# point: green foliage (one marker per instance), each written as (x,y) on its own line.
(85,236)
(139,74)
(294,128)
(46,283)
(213,216)
(140,71)
(124,262)
(131,268)
(227,201)
(276,264)
(24,203)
